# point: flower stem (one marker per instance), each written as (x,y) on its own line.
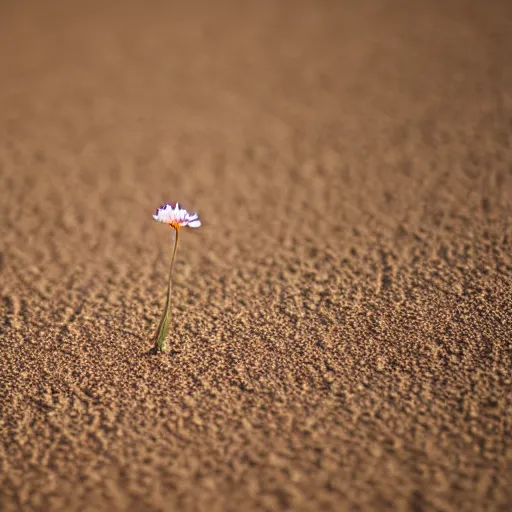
(161,342)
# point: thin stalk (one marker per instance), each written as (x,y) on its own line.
(161,344)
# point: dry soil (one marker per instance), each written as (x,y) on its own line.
(342,320)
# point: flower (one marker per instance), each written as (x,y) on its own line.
(176,217)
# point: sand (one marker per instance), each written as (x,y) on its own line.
(341,331)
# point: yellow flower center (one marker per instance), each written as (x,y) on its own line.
(175,225)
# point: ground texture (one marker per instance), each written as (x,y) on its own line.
(342,321)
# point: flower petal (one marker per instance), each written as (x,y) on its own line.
(174,215)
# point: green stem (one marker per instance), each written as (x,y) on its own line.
(161,344)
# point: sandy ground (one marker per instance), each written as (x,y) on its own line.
(342,323)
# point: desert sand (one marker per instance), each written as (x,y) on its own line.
(342,321)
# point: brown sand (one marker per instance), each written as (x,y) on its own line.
(342,329)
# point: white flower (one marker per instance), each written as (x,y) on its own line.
(176,217)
